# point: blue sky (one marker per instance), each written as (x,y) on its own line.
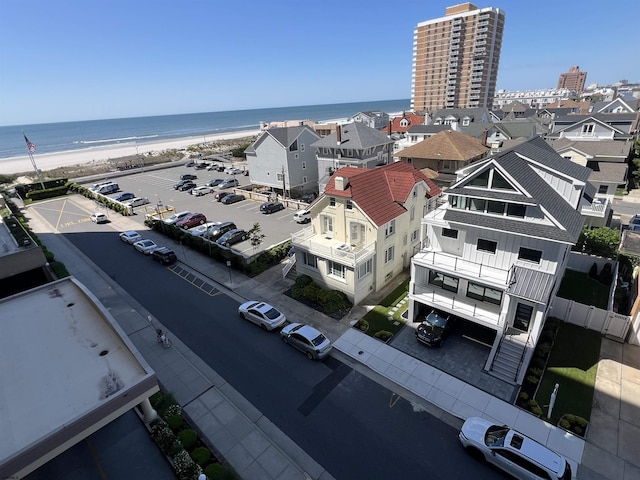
(77,60)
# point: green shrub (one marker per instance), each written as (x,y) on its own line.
(534,408)
(216,471)
(59,269)
(535,371)
(188,438)
(564,424)
(185,467)
(48,255)
(362,324)
(524,396)
(606,276)
(303,280)
(163,436)
(175,422)
(593,271)
(532,379)
(201,455)
(334,301)
(537,362)
(383,335)
(164,402)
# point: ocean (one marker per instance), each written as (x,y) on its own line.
(69,136)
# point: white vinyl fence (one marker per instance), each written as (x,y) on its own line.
(604,321)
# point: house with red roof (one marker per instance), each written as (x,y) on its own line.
(365,227)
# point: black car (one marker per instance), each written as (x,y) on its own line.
(188,176)
(219,230)
(164,255)
(201,166)
(220,195)
(121,197)
(434,328)
(271,207)
(232,237)
(233,198)
(180,183)
(187,185)
(190,163)
(214,182)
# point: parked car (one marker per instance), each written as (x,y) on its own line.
(271,207)
(99,218)
(164,255)
(201,165)
(262,314)
(130,236)
(302,216)
(200,230)
(233,170)
(188,185)
(180,184)
(96,186)
(306,339)
(309,197)
(216,231)
(220,195)
(232,237)
(434,328)
(108,189)
(199,191)
(214,182)
(191,220)
(176,216)
(233,198)
(145,246)
(212,166)
(229,183)
(190,163)
(136,202)
(512,451)
(188,176)
(121,197)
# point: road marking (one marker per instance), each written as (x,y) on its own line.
(94,455)
(196,281)
(60,215)
(394,399)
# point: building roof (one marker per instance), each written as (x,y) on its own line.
(380,192)
(430,129)
(605,172)
(446,145)
(65,366)
(354,135)
(409,118)
(602,148)
(476,114)
(530,284)
(285,136)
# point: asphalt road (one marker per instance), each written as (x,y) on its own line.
(352,426)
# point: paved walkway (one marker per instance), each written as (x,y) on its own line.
(258,450)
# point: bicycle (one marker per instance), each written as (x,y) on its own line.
(163,339)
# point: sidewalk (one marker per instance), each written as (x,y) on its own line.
(256,449)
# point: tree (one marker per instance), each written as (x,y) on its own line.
(603,242)
(256,236)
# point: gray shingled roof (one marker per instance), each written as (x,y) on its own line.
(608,172)
(428,128)
(514,162)
(354,135)
(285,136)
(494,195)
(601,148)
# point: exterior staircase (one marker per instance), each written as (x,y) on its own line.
(506,363)
(288,269)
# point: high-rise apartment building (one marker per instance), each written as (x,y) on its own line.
(573,80)
(455,58)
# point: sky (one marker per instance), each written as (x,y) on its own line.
(69,60)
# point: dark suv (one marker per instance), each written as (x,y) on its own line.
(219,230)
(164,255)
(434,328)
(188,176)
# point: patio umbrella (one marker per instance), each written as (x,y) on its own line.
(552,400)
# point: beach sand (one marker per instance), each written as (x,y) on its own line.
(50,161)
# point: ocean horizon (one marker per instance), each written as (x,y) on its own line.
(90,134)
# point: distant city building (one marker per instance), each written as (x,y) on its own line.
(573,80)
(532,98)
(455,58)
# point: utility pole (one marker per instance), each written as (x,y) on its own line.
(284,184)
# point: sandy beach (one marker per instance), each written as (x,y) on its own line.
(49,161)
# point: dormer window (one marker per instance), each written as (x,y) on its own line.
(499,182)
(481,180)
(588,129)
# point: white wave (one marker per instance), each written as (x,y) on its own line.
(116,140)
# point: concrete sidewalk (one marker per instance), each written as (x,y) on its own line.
(256,449)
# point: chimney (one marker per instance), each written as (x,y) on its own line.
(339,134)
(484,137)
(341,183)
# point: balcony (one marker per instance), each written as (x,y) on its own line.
(457,304)
(598,208)
(447,263)
(331,248)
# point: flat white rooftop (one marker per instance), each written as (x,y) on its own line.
(66,369)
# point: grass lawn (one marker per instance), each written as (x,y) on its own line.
(580,287)
(572,364)
(378,316)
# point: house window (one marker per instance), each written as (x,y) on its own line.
(588,128)
(516,210)
(336,270)
(365,268)
(481,180)
(443,281)
(309,260)
(484,294)
(302,147)
(332,201)
(603,189)
(296,156)
(486,245)
(405,239)
(304,179)
(304,165)
(523,316)
(414,235)
(499,182)
(390,228)
(389,253)
(412,212)
(280,177)
(326,222)
(450,233)
(477,204)
(294,146)
(529,255)
(496,208)
(349,205)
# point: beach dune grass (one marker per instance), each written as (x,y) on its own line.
(572,364)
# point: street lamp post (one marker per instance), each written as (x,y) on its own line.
(229,267)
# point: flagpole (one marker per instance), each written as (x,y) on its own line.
(32,148)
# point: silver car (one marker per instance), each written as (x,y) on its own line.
(262,314)
(306,339)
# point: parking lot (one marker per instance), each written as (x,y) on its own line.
(157,186)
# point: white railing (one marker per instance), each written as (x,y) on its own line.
(289,264)
(600,205)
(331,248)
(443,261)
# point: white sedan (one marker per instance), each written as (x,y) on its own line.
(262,314)
(146,246)
(233,171)
(130,237)
(202,190)
(136,202)
(99,217)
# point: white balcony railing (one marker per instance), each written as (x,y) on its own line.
(331,248)
(445,262)
(597,208)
